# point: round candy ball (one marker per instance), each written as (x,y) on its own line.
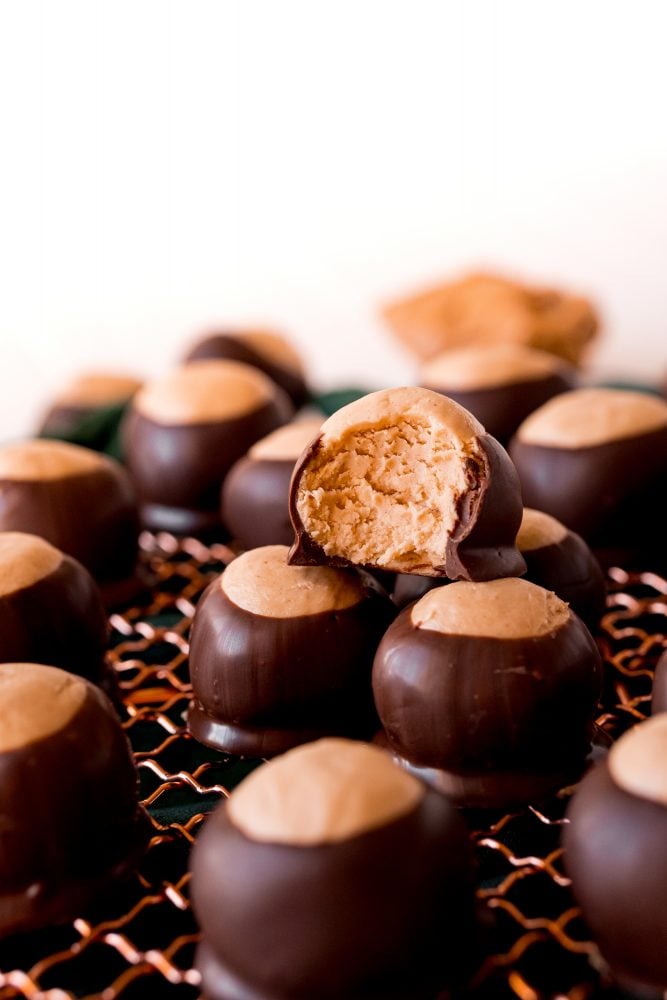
(51,610)
(80,501)
(255,495)
(596,459)
(70,822)
(616,854)
(489,690)
(265,350)
(332,873)
(184,432)
(280,655)
(500,384)
(407,481)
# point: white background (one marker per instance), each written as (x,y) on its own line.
(169,165)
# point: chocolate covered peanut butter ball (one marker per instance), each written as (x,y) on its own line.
(596,459)
(280,655)
(70,821)
(331,873)
(616,854)
(408,481)
(184,432)
(51,610)
(83,397)
(266,350)
(255,496)
(489,690)
(78,500)
(500,384)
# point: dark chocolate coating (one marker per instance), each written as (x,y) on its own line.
(179,469)
(60,621)
(479,708)
(91,517)
(227,346)
(616,855)
(570,569)
(263,685)
(502,408)
(482,543)
(70,822)
(659,703)
(613,494)
(255,502)
(386,915)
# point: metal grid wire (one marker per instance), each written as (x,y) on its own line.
(139,941)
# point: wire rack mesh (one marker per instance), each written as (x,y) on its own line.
(139,941)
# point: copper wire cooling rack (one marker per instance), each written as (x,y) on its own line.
(140,940)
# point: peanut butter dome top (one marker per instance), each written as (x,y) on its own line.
(539,530)
(98,389)
(205,391)
(587,417)
(46,460)
(37,701)
(500,609)
(488,366)
(638,760)
(261,582)
(286,443)
(396,462)
(24,560)
(323,792)
(274,348)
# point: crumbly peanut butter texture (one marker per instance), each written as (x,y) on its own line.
(37,701)
(638,760)
(323,792)
(383,486)
(498,609)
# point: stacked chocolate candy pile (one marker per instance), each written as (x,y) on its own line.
(399,632)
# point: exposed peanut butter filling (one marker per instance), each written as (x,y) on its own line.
(261,582)
(24,560)
(323,792)
(500,609)
(638,760)
(384,485)
(586,417)
(37,701)
(27,461)
(538,530)
(488,366)
(286,443)
(275,348)
(204,391)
